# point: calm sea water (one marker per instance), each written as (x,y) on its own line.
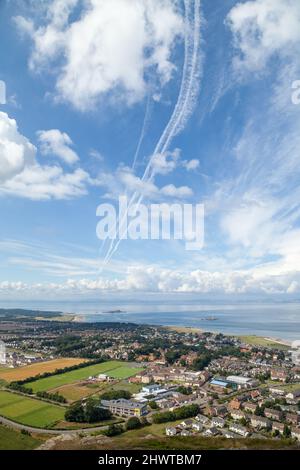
(280,320)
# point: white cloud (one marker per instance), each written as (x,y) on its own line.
(191,165)
(109,46)
(125,181)
(262,29)
(164,163)
(22,175)
(47,182)
(55,142)
(15,150)
(156,279)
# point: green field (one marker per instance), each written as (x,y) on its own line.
(115,369)
(29,411)
(14,440)
(265,342)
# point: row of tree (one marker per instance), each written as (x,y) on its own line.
(184,412)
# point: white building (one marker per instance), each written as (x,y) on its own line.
(2,353)
(238,429)
(241,382)
(171,431)
(197,426)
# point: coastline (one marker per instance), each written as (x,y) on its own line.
(261,339)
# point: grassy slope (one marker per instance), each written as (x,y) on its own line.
(14,440)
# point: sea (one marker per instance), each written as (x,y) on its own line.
(272,320)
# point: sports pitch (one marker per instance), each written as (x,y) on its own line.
(29,411)
(115,369)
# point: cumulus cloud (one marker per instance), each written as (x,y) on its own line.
(191,165)
(22,175)
(155,279)
(108,46)
(16,151)
(263,29)
(57,143)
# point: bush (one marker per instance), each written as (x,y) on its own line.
(113,430)
(133,423)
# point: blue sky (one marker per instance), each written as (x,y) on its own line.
(87,81)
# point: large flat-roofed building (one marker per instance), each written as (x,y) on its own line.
(241,382)
(125,407)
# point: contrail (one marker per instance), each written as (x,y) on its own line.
(144,129)
(185,103)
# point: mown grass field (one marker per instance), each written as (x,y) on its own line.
(29,411)
(14,440)
(21,373)
(116,369)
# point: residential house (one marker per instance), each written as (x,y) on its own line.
(197,426)
(218,422)
(279,374)
(293,395)
(229,435)
(238,429)
(171,431)
(202,419)
(236,414)
(255,394)
(218,411)
(185,433)
(186,423)
(213,431)
(293,418)
(295,433)
(235,404)
(260,422)
(277,391)
(273,414)
(278,427)
(248,406)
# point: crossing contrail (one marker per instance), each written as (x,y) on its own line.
(184,107)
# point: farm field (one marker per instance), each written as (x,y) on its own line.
(77,391)
(21,373)
(111,368)
(14,440)
(29,411)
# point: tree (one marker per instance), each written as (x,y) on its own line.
(115,395)
(184,390)
(153,405)
(94,413)
(133,423)
(286,431)
(75,413)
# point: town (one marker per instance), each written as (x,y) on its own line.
(126,376)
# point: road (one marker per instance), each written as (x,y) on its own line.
(56,432)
